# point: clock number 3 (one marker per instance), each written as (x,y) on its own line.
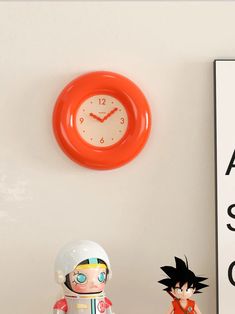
(102,101)
(122,120)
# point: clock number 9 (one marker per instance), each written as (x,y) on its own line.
(102,101)
(81,120)
(122,120)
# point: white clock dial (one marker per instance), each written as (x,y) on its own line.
(101,120)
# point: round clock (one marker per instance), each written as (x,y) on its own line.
(101,120)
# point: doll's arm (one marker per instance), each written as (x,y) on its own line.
(109,310)
(60,307)
(170,310)
(108,305)
(197,311)
(57,311)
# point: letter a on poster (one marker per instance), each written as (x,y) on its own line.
(224,71)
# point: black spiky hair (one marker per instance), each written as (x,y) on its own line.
(181,274)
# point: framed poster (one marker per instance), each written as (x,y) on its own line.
(224,74)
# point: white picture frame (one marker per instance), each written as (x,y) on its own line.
(224,81)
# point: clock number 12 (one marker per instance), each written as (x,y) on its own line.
(102,101)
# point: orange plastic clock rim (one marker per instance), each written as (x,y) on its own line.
(64,120)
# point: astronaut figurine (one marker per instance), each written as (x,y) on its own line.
(82,268)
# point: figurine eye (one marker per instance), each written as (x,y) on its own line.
(80,278)
(178,290)
(189,290)
(102,277)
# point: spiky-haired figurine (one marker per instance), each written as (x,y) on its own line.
(181,284)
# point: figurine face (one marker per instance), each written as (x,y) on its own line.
(88,279)
(184,292)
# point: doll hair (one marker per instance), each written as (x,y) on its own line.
(85,262)
(181,274)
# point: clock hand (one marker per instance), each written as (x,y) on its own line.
(96,117)
(105,117)
(109,114)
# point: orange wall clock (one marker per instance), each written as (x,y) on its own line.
(101,120)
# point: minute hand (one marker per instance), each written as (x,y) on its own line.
(109,114)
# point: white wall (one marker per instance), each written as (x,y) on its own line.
(158,206)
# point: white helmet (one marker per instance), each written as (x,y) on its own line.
(76,252)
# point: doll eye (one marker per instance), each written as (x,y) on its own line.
(80,278)
(102,277)
(178,290)
(189,290)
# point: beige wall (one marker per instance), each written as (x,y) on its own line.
(158,206)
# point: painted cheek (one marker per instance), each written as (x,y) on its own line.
(79,288)
(177,295)
(102,285)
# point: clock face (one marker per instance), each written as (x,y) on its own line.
(101,120)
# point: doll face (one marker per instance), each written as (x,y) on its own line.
(88,280)
(184,292)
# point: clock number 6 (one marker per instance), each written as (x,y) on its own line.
(102,140)
(122,120)
(102,101)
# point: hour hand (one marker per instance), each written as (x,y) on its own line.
(96,117)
